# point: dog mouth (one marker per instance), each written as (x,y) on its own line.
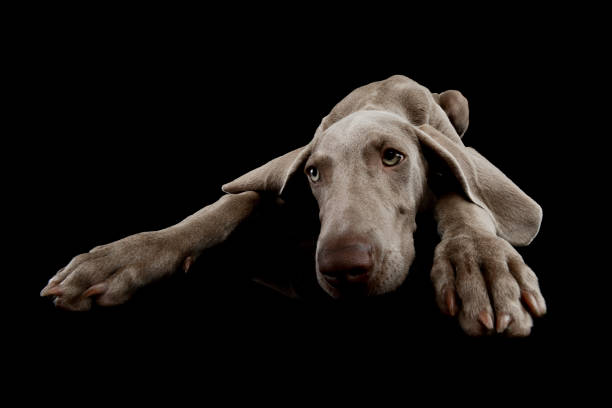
(348,286)
(385,276)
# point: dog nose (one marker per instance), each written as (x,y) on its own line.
(345,262)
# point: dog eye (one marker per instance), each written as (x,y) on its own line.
(391,157)
(313,173)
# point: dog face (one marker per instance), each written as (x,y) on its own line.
(367,174)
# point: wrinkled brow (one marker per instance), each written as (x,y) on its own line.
(319,159)
(393,138)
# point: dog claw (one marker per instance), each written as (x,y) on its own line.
(95,290)
(502,322)
(485,318)
(531,302)
(51,291)
(451,304)
(187,264)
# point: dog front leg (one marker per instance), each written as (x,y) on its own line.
(480,276)
(110,274)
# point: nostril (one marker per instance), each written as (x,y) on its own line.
(356,271)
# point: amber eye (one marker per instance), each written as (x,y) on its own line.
(391,157)
(313,173)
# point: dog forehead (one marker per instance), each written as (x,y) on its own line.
(361,128)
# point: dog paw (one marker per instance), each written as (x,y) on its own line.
(483,280)
(110,274)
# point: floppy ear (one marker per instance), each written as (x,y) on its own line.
(456,107)
(516,216)
(273,176)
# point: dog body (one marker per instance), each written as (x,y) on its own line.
(386,152)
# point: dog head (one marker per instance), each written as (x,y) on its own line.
(368,176)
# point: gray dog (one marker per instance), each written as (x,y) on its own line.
(371,167)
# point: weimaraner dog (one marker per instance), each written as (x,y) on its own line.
(387,151)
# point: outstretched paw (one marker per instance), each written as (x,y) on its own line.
(110,274)
(483,280)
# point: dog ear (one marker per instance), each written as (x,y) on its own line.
(273,176)
(517,217)
(456,107)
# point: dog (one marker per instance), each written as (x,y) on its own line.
(387,152)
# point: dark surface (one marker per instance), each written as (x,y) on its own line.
(134,125)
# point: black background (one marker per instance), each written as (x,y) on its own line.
(131,120)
